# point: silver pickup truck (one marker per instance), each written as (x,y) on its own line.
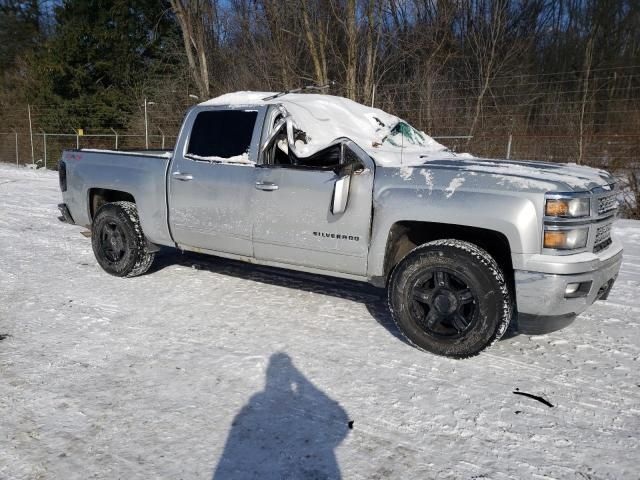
(321,184)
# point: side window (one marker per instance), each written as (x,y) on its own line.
(279,153)
(222,135)
(324,159)
(352,157)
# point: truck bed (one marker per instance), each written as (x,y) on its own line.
(140,173)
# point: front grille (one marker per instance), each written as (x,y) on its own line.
(603,238)
(602,246)
(607,204)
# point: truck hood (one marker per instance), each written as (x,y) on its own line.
(479,173)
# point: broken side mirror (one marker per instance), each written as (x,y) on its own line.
(348,165)
(341,194)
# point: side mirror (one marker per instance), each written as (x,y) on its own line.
(341,194)
(346,169)
(348,166)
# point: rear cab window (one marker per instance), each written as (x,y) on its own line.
(223,136)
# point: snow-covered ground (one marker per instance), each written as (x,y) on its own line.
(211,368)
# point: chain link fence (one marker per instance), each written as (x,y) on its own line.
(610,140)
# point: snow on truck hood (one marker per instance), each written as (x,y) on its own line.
(325,118)
(512,175)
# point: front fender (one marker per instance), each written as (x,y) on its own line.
(513,215)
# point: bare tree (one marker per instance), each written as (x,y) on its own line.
(588,62)
(276,18)
(193,17)
(373,34)
(492,49)
(315,26)
(351,30)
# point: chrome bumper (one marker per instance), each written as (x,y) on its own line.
(540,296)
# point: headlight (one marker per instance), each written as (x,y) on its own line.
(568,207)
(566,239)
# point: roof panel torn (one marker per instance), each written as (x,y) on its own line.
(325,118)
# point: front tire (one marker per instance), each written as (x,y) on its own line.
(450,297)
(118,242)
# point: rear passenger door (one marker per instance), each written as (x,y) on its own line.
(212,177)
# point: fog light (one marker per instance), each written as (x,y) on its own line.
(577,289)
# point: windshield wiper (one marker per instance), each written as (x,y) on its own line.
(298,90)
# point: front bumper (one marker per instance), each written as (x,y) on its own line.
(540,295)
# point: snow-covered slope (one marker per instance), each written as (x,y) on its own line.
(210,365)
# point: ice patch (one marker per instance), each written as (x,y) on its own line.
(242,159)
(453,186)
(523,183)
(428,179)
(406,173)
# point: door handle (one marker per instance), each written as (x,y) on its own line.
(185,177)
(267,186)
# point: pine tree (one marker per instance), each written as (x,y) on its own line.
(99,49)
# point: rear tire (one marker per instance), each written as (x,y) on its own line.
(450,297)
(118,241)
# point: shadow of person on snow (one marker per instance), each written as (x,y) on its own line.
(287,431)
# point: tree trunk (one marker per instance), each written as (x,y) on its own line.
(352,48)
(316,47)
(194,41)
(588,60)
(374,26)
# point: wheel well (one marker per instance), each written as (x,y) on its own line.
(405,236)
(100,196)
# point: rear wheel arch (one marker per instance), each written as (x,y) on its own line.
(100,196)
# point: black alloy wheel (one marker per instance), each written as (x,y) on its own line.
(443,303)
(118,242)
(450,297)
(112,242)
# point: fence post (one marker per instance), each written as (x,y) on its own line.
(44,141)
(77,140)
(146,125)
(162,134)
(509,146)
(33,158)
(17,155)
(116,134)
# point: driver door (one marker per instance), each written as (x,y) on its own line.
(294,221)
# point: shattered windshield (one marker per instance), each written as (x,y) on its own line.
(403,134)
